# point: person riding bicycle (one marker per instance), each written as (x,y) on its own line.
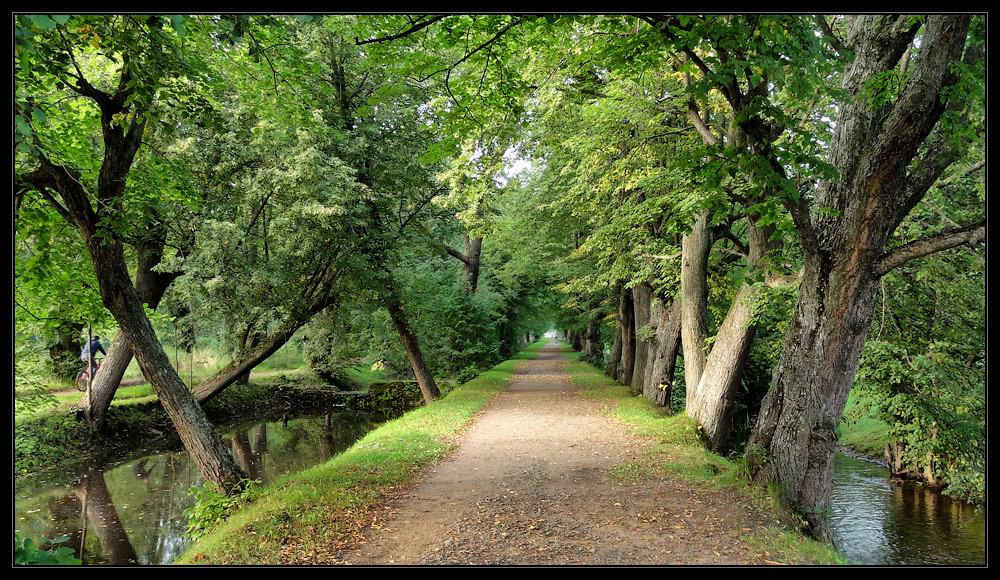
(89,353)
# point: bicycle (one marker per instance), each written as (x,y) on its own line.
(83,377)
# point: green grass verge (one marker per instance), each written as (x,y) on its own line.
(325,506)
(678,452)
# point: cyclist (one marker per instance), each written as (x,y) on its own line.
(89,353)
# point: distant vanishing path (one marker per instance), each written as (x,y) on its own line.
(528,484)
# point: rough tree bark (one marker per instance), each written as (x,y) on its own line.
(884,168)
(626,322)
(642,300)
(615,356)
(713,403)
(695,248)
(665,322)
(151,286)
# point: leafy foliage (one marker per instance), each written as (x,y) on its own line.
(26,552)
(212,506)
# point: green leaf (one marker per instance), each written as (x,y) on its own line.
(43,22)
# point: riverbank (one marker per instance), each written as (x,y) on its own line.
(521,498)
(61,440)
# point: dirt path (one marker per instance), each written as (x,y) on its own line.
(528,484)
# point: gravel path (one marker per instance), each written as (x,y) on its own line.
(528,485)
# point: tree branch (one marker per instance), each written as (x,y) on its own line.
(405,33)
(829,35)
(441,246)
(949,238)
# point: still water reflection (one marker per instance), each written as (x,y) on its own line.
(875,522)
(132,513)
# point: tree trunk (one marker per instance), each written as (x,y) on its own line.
(318,296)
(615,357)
(592,339)
(666,323)
(202,442)
(232,372)
(151,286)
(65,353)
(626,321)
(881,178)
(642,298)
(473,250)
(712,407)
(425,379)
(695,248)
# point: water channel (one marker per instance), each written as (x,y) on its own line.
(132,512)
(878,522)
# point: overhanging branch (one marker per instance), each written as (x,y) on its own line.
(950,238)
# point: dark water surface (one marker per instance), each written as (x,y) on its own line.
(132,512)
(877,522)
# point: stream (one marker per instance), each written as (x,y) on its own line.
(877,522)
(132,512)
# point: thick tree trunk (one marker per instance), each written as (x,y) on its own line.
(473,251)
(642,299)
(695,248)
(424,377)
(592,339)
(665,321)
(202,442)
(712,407)
(881,179)
(799,416)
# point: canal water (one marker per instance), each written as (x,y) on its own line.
(133,512)
(877,522)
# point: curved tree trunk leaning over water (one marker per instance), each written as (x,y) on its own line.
(151,286)
(202,442)
(885,168)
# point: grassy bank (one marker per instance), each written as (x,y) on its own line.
(329,504)
(678,452)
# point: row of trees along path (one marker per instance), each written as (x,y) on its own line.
(529,484)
